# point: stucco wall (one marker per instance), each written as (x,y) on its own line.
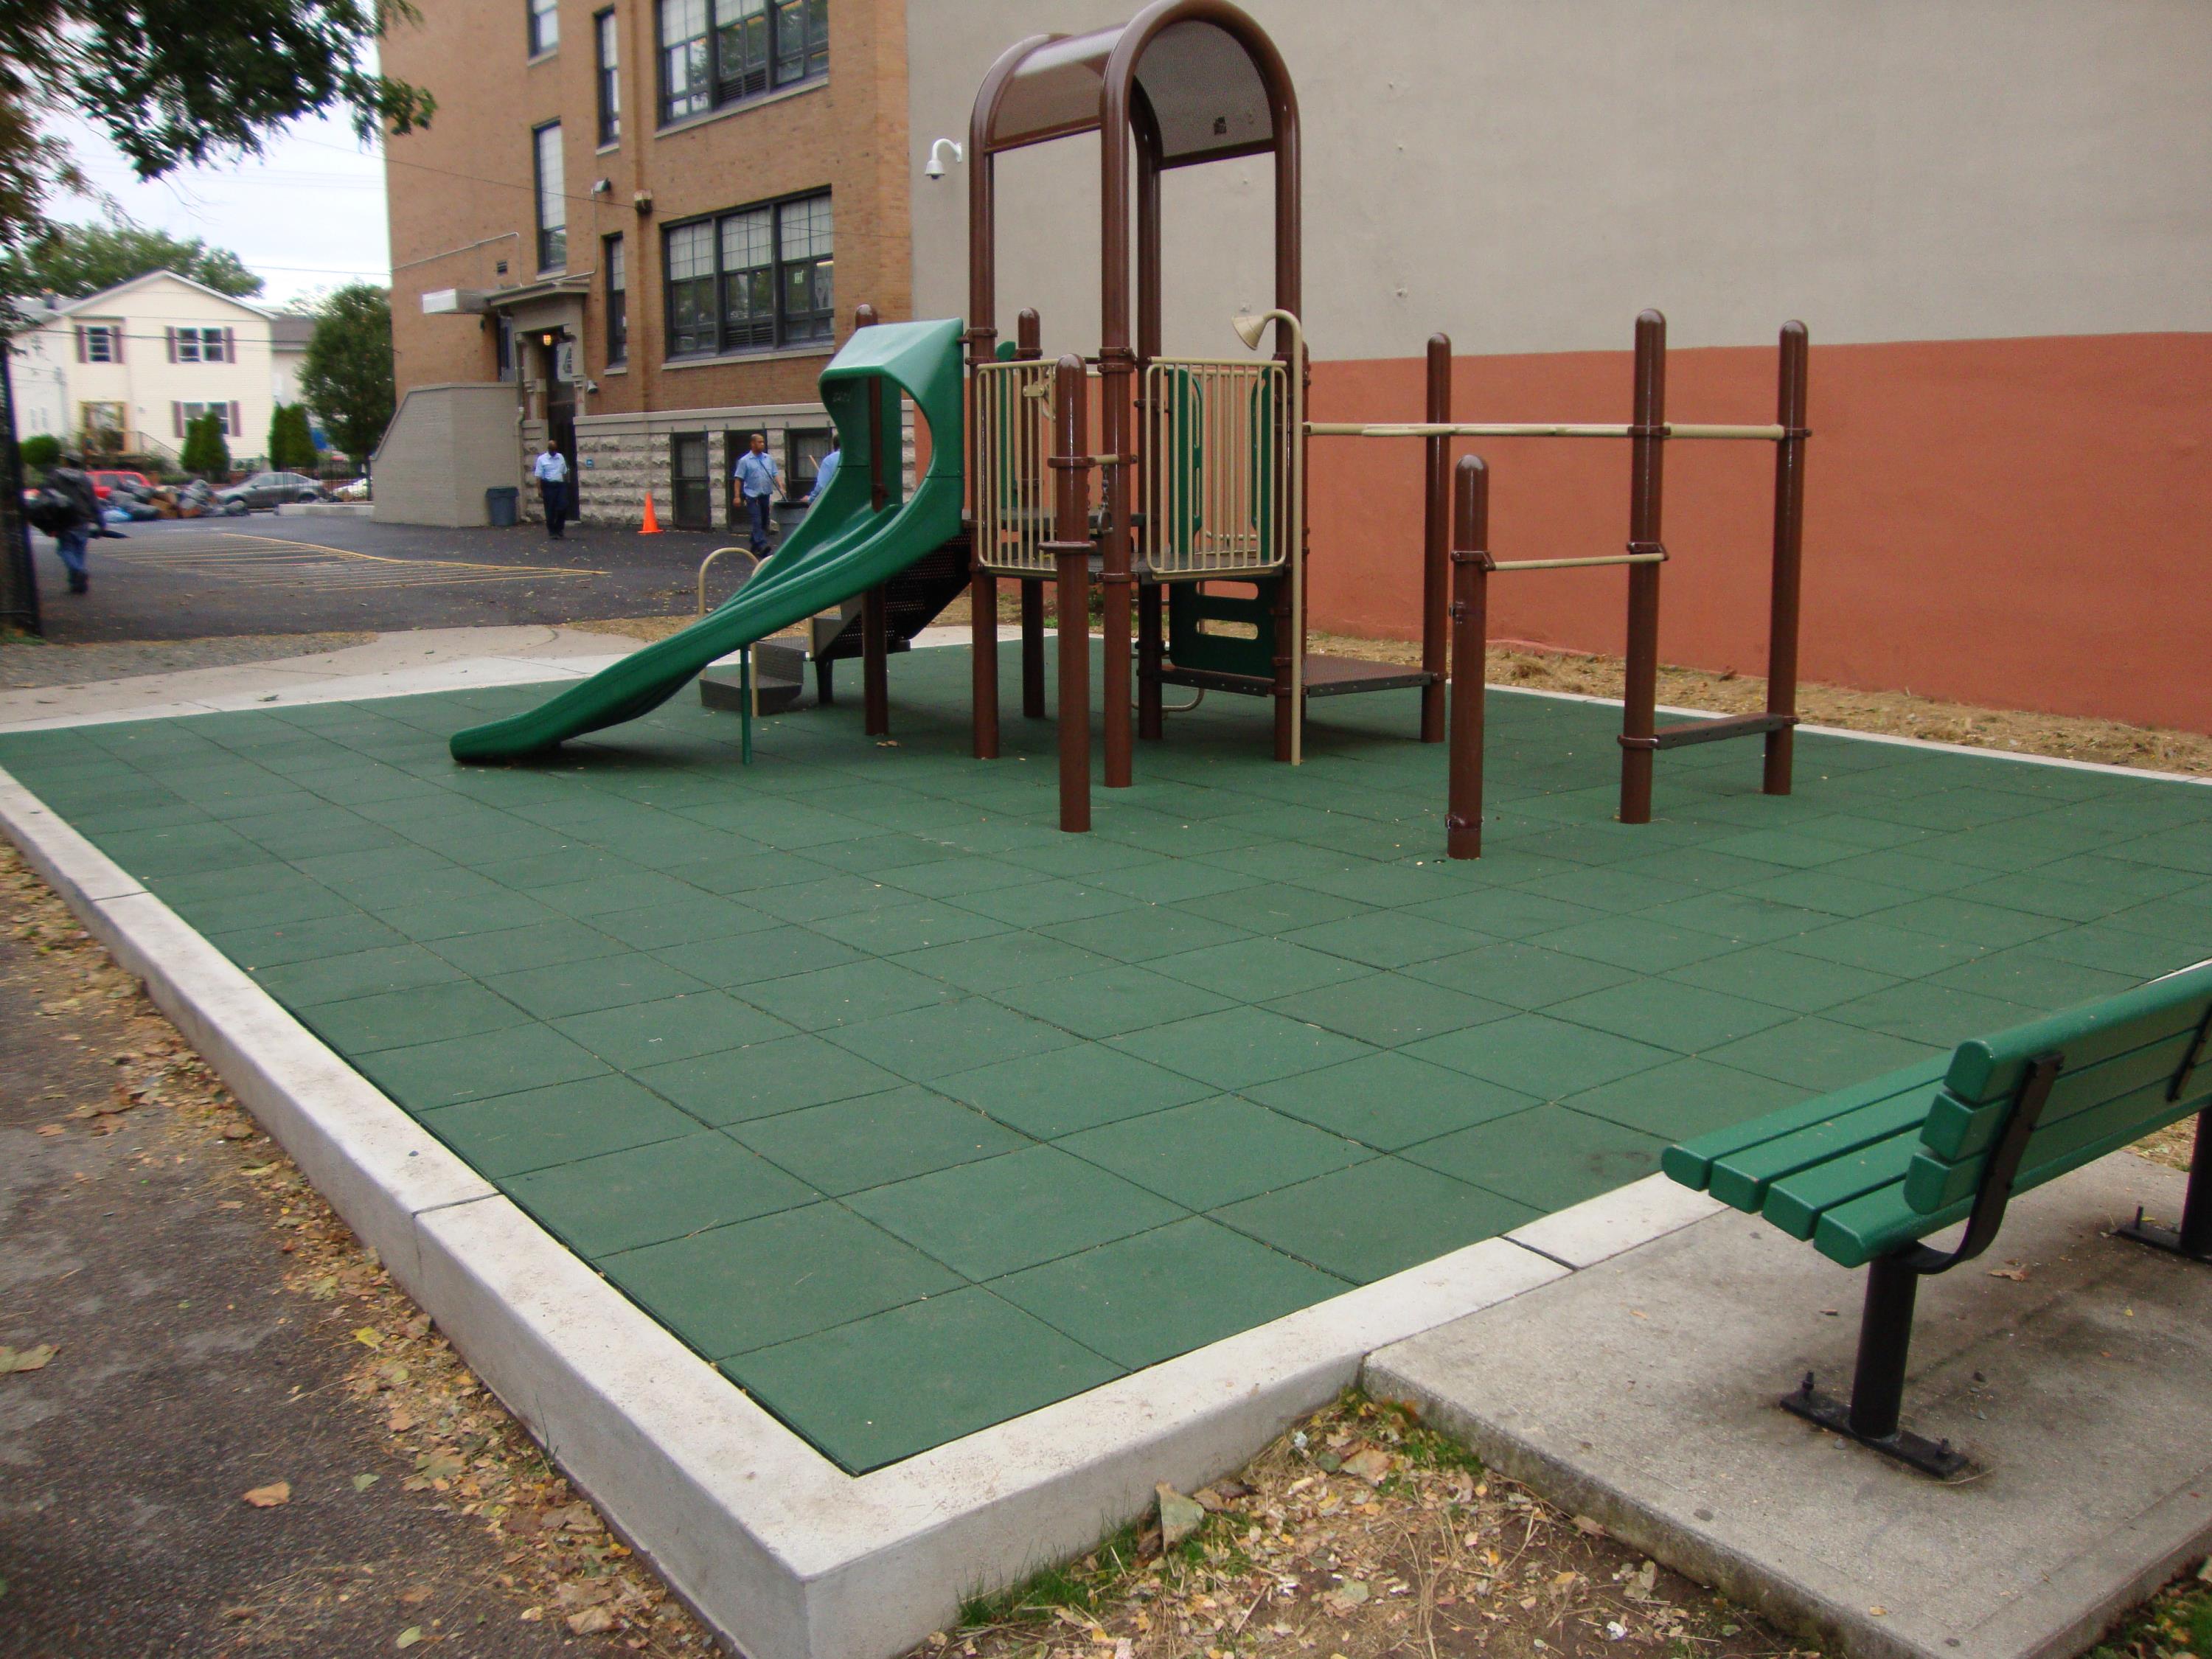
(443,448)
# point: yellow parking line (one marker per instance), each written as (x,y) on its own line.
(384,558)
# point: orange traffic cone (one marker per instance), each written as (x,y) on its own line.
(651,524)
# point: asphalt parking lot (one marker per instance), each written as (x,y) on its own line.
(297,573)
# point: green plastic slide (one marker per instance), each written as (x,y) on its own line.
(846,546)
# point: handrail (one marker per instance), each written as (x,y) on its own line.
(758,564)
(1542,429)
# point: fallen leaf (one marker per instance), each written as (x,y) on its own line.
(269,1497)
(1589,1528)
(408,1637)
(439,1465)
(1879,1613)
(27,1359)
(363,1482)
(1370,1465)
(369,1337)
(1180,1516)
(53,1129)
(591,1621)
(2018,1275)
(531,1615)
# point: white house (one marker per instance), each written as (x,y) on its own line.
(143,357)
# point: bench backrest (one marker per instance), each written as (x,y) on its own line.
(2131,1064)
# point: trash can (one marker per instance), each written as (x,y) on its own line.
(500,505)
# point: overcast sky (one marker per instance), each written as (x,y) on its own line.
(309,214)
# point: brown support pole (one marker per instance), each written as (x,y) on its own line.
(1436,544)
(1647,452)
(875,644)
(1027,348)
(1470,647)
(1151,724)
(1071,547)
(1150,650)
(982,345)
(1788,552)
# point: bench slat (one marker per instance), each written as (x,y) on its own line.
(1985,1069)
(1743,1178)
(1957,1131)
(1932,1183)
(1690,1163)
(1796,1203)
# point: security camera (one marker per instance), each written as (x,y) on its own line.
(935,169)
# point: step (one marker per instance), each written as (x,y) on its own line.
(723,687)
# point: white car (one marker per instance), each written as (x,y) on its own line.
(355,491)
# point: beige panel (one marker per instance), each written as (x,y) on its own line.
(443,448)
(1527,173)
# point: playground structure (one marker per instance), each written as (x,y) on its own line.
(1198,539)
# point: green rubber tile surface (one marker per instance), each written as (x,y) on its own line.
(914,1114)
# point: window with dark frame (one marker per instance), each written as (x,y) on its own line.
(545,26)
(804,446)
(99,343)
(610,61)
(502,336)
(617,270)
(714,52)
(691,484)
(752,279)
(552,197)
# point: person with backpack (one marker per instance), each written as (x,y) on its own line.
(71,514)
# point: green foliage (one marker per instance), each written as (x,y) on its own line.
(205,453)
(291,442)
(41,451)
(79,259)
(346,376)
(1082,1586)
(171,83)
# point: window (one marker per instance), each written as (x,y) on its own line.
(617,270)
(226,415)
(545,26)
(751,280)
(552,199)
(503,346)
(99,343)
(691,488)
(720,52)
(202,345)
(603,32)
(803,450)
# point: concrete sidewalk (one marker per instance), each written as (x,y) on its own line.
(2067,1362)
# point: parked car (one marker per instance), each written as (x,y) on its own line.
(355,491)
(105,480)
(266,491)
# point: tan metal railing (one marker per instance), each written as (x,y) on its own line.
(1014,494)
(1219,478)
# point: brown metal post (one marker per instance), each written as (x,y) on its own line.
(1027,348)
(982,338)
(1436,543)
(1071,547)
(1788,552)
(875,644)
(1151,724)
(1152,650)
(1647,452)
(1470,647)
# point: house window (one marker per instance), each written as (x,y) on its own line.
(617,270)
(545,26)
(552,201)
(722,52)
(99,343)
(803,450)
(226,415)
(603,32)
(502,336)
(751,280)
(202,345)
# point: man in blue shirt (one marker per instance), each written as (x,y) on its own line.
(758,476)
(825,469)
(551,471)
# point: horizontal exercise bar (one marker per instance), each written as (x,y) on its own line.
(1577,564)
(1534,429)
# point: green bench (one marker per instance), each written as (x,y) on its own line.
(1868,1172)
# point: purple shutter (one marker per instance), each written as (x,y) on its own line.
(230,346)
(171,334)
(237,428)
(177,417)
(115,342)
(81,354)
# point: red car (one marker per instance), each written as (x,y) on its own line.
(104,481)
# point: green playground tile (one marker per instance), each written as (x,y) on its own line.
(1685,1099)
(584,987)
(824,899)
(396,1019)
(959,878)
(1746,920)
(1063,1091)
(511,1135)
(883,1389)
(913,925)
(735,1085)
(2125,879)
(663,1190)
(879,857)
(1548,1157)
(1992,928)
(1390,1100)
(257,898)
(1146,1298)
(1862,833)
(956,1035)
(568,866)
(1901,867)
(451,916)
(1518,975)
(1002,959)
(700,917)
(1386,1010)
(1616,892)
(1006,1214)
(359,973)
(513,949)
(1037,904)
(1505,911)
(871,1141)
(1256,970)
(1829,891)
(1820,1053)
(1872,944)
(1685,1018)
(1386,939)
(775,1278)
(1142,933)
(1803,984)
(1176,838)
(1109,1002)
(1805,849)
(1923,1012)
(1238,1046)
(1390,885)
(2031,974)
(284,942)
(1637,944)
(1269,907)
(1164,883)
(849,995)
(1535,1055)
(1275,860)
(1214,1151)
(1079,857)
(427,1075)
(1367,1221)
(777,951)
(684,1027)
(616,894)
(2038,893)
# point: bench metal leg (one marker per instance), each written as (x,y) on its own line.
(2193,1238)
(1870,1416)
